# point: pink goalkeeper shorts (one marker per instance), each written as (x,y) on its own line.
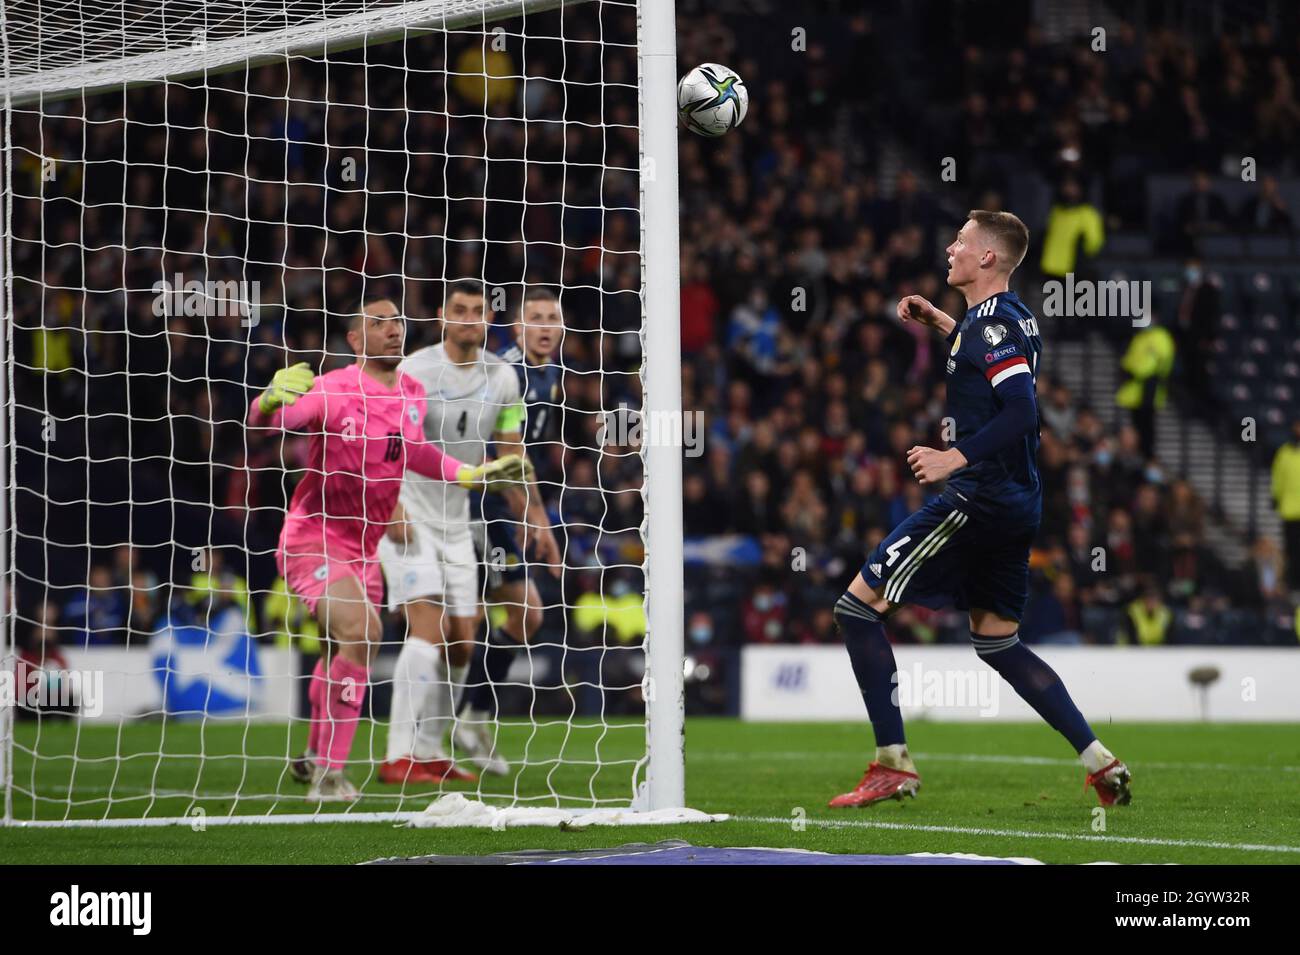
(310,559)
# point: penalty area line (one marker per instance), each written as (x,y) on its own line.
(1018,834)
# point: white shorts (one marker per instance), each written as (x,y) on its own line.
(437,568)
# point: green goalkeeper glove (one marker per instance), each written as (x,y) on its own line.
(286,385)
(496,476)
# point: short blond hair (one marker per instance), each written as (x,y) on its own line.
(1006,230)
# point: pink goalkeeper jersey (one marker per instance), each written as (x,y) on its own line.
(363,437)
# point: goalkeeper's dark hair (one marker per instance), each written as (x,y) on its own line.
(358,312)
(1006,230)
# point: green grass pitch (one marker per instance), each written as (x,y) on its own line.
(1203,793)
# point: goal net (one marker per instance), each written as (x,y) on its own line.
(197,194)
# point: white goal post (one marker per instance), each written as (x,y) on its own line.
(149,762)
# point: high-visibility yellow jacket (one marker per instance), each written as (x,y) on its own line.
(287,617)
(624,615)
(1066,226)
(1149,625)
(234,588)
(52,349)
(1286,482)
(1150,355)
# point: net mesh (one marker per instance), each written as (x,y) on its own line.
(170,246)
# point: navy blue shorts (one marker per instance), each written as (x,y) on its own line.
(941,557)
(502,557)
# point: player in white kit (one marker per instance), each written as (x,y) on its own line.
(428,556)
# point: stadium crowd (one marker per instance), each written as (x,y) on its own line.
(796,242)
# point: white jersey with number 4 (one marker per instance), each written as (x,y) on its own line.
(465,405)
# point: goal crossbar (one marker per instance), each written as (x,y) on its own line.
(20,83)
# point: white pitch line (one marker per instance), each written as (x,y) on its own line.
(795,756)
(1135,764)
(1018,834)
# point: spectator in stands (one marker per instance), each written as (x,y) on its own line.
(142,592)
(1266,212)
(41,665)
(1147,618)
(1058,410)
(1193,570)
(1149,361)
(1286,498)
(1150,530)
(1201,211)
(1267,573)
(1052,615)
(98,611)
(1199,312)
(215,580)
(1074,226)
(287,621)
(763,613)
(704,509)
(699,306)
(1184,510)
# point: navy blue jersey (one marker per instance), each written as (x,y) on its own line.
(541,387)
(995,354)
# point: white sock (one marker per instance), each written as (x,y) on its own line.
(1096,756)
(457,677)
(414,679)
(432,729)
(895,757)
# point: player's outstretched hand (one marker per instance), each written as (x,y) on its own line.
(931,466)
(917,308)
(286,386)
(401,531)
(540,540)
(496,476)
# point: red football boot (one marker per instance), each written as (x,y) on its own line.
(445,769)
(1112,784)
(397,772)
(879,783)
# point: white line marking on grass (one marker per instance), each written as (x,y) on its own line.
(1020,834)
(1135,764)
(795,756)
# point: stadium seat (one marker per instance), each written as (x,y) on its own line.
(1269,247)
(1221,247)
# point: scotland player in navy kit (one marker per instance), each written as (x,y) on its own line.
(504,539)
(540,383)
(969,547)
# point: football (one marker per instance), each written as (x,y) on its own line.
(712,99)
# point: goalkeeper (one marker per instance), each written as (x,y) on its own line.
(365,427)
